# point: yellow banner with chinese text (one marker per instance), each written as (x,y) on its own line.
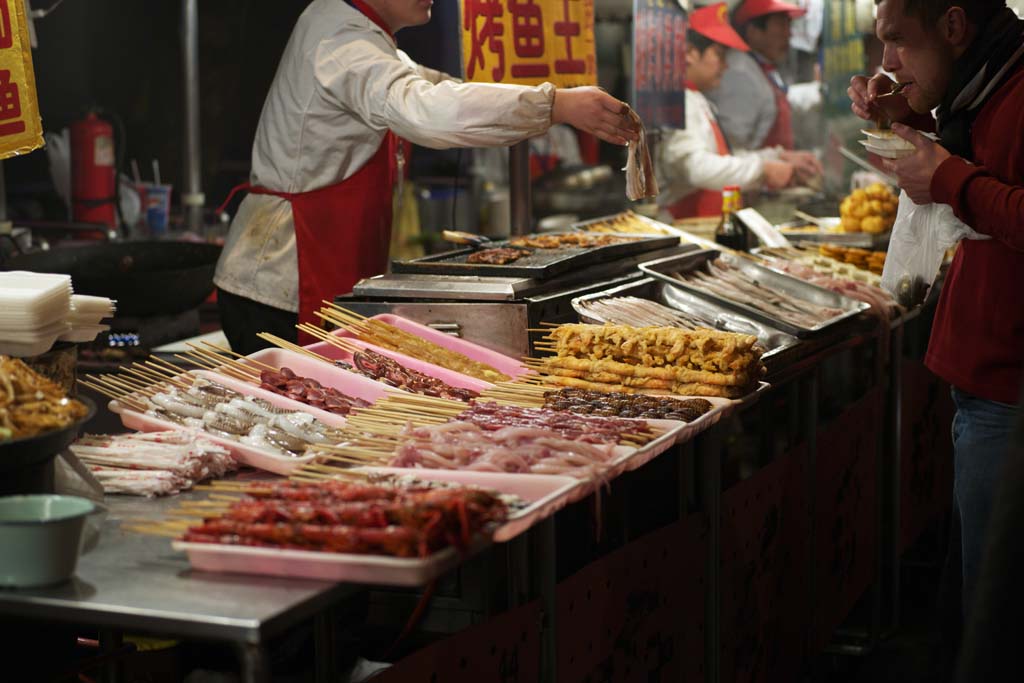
(21,128)
(528,42)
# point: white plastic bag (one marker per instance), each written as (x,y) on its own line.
(920,238)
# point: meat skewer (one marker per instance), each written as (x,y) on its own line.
(641,182)
(376,519)
(385,369)
(724,280)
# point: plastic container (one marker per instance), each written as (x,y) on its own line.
(33,300)
(885,152)
(455,379)
(547,494)
(332,376)
(246,454)
(499,361)
(43,538)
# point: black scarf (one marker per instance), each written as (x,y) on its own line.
(976,76)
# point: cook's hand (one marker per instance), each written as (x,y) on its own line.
(594,111)
(805,164)
(864,102)
(777,174)
(914,173)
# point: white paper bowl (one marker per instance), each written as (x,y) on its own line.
(886,153)
(885,139)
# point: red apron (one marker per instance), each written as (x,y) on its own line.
(703,203)
(781,134)
(342,231)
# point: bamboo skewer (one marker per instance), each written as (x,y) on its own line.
(152,530)
(215,367)
(235,365)
(120,398)
(230,484)
(129,382)
(336,307)
(289,346)
(152,375)
(247,359)
(120,382)
(167,366)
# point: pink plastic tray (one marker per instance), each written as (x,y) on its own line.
(545,493)
(243,453)
(305,564)
(348,383)
(453,378)
(499,361)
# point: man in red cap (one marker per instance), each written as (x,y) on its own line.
(752,104)
(694,164)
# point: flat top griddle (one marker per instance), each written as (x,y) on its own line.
(540,264)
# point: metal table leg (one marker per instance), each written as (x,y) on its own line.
(709,469)
(325,662)
(111,641)
(891,488)
(546,569)
(253,666)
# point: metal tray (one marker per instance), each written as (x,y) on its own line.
(863,240)
(665,228)
(540,264)
(663,269)
(773,340)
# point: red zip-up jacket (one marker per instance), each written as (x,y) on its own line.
(977,341)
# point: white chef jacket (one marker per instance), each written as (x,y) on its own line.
(341,85)
(688,160)
(746,102)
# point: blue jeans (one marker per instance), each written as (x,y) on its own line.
(981,434)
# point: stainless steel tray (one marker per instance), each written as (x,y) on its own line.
(864,240)
(773,340)
(663,269)
(663,228)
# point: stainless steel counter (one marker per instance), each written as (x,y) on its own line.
(130,582)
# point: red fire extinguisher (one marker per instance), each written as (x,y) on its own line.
(93,171)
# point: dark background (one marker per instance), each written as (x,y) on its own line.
(125,56)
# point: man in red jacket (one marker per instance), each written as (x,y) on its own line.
(967,59)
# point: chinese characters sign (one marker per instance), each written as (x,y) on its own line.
(529,42)
(843,55)
(659,62)
(21,130)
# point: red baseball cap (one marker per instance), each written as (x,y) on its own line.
(751,9)
(712,22)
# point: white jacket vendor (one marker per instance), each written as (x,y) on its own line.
(317,218)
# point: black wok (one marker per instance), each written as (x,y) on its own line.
(146,278)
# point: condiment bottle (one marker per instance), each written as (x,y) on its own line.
(730,232)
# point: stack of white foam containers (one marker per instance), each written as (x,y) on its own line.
(38,309)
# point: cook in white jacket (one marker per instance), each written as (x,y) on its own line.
(318,214)
(694,164)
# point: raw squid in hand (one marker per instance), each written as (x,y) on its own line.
(640,180)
